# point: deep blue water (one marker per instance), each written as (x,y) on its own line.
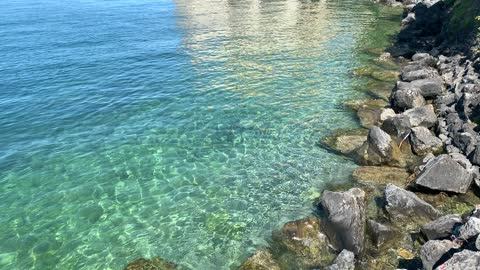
(180,129)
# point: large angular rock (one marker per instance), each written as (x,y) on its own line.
(380,175)
(470,229)
(429,88)
(445,174)
(465,260)
(156,263)
(441,227)
(346,215)
(398,125)
(423,116)
(344,261)
(423,73)
(407,99)
(380,233)
(475,155)
(378,149)
(403,205)
(261,260)
(433,250)
(423,141)
(304,243)
(465,141)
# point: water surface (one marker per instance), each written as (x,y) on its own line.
(180,129)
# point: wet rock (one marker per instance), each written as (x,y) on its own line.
(433,250)
(380,175)
(380,233)
(444,174)
(380,149)
(345,141)
(346,215)
(441,227)
(344,261)
(303,244)
(369,116)
(465,260)
(470,229)
(423,141)
(155,263)
(261,260)
(403,205)
(407,99)
(356,104)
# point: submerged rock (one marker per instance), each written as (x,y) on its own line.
(380,233)
(403,205)
(345,141)
(380,149)
(303,244)
(441,227)
(465,260)
(433,250)
(445,174)
(155,263)
(346,215)
(344,261)
(380,175)
(261,260)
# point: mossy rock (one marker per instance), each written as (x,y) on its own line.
(345,141)
(261,260)
(453,203)
(356,104)
(381,176)
(156,263)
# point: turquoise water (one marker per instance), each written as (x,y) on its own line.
(180,129)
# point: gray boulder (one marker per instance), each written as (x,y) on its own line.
(433,250)
(397,125)
(346,215)
(380,142)
(344,261)
(465,260)
(423,73)
(424,59)
(380,233)
(475,155)
(441,227)
(423,116)
(429,88)
(465,141)
(445,174)
(423,141)
(403,205)
(407,99)
(470,229)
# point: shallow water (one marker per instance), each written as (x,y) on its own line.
(180,129)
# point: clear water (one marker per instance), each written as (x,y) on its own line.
(180,129)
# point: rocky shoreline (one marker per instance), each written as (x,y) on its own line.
(414,202)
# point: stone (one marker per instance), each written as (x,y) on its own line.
(304,243)
(429,88)
(465,141)
(344,261)
(380,175)
(470,229)
(403,205)
(397,125)
(379,149)
(433,250)
(356,104)
(445,174)
(462,160)
(423,116)
(423,73)
(441,227)
(407,99)
(475,155)
(369,116)
(380,234)
(346,215)
(477,242)
(261,260)
(465,260)
(345,141)
(380,142)
(386,113)
(423,141)
(155,263)
(424,59)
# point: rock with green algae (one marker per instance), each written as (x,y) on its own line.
(452,203)
(301,244)
(156,263)
(345,141)
(356,104)
(261,260)
(380,175)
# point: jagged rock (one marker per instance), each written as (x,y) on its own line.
(378,149)
(380,233)
(465,260)
(386,113)
(424,73)
(441,227)
(424,59)
(380,175)
(477,242)
(462,160)
(423,141)
(429,88)
(156,263)
(304,243)
(475,155)
(445,174)
(345,141)
(261,260)
(407,99)
(465,141)
(470,229)
(423,116)
(433,250)
(344,261)
(346,215)
(397,125)
(403,205)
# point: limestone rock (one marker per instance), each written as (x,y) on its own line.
(346,215)
(445,174)
(441,227)
(429,88)
(423,116)
(423,141)
(261,260)
(465,260)
(344,261)
(433,250)
(470,229)
(407,99)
